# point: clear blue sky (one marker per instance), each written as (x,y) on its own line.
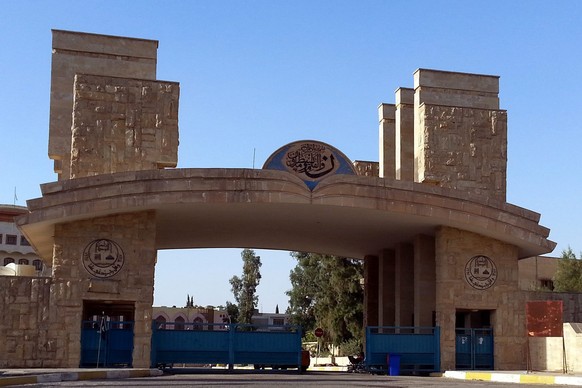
(260,74)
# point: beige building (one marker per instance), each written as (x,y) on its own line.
(440,244)
(189,318)
(197,318)
(16,255)
(537,273)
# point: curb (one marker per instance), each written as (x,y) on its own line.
(75,376)
(328,368)
(514,378)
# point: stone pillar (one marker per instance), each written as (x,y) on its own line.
(474,272)
(460,133)
(125,275)
(404,134)
(424,280)
(386,291)
(82,53)
(404,285)
(370,291)
(387,141)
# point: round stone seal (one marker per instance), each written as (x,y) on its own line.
(480,272)
(103,258)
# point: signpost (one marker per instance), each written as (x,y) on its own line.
(318,333)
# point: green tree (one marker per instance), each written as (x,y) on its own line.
(244,288)
(568,277)
(326,292)
(232,312)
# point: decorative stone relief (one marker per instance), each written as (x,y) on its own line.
(122,124)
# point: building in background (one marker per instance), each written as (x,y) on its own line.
(208,318)
(16,255)
(537,273)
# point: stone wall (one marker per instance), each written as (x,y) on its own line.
(26,339)
(555,353)
(122,124)
(366,168)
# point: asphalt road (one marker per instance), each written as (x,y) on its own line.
(277,379)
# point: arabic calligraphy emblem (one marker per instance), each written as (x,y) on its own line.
(481,272)
(103,258)
(311,160)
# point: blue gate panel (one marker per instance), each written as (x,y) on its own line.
(273,348)
(239,344)
(474,349)
(110,344)
(418,347)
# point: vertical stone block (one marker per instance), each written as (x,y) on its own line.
(404,133)
(460,133)
(387,141)
(82,53)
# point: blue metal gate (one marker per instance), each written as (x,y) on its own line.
(474,349)
(106,343)
(418,348)
(198,343)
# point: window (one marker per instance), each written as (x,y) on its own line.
(179,323)
(279,321)
(24,241)
(8,260)
(0,238)
(161,322)
(547,284)
(11,239)
(198,323)
(23,261)
(37,264)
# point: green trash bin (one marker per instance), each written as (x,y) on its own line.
(394,364)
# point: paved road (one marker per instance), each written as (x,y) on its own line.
(277,379)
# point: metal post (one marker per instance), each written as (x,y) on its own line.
(101,331)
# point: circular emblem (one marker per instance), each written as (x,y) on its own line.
(480,272)
(103,258)
(310,160)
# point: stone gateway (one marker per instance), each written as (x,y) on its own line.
(440,244)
